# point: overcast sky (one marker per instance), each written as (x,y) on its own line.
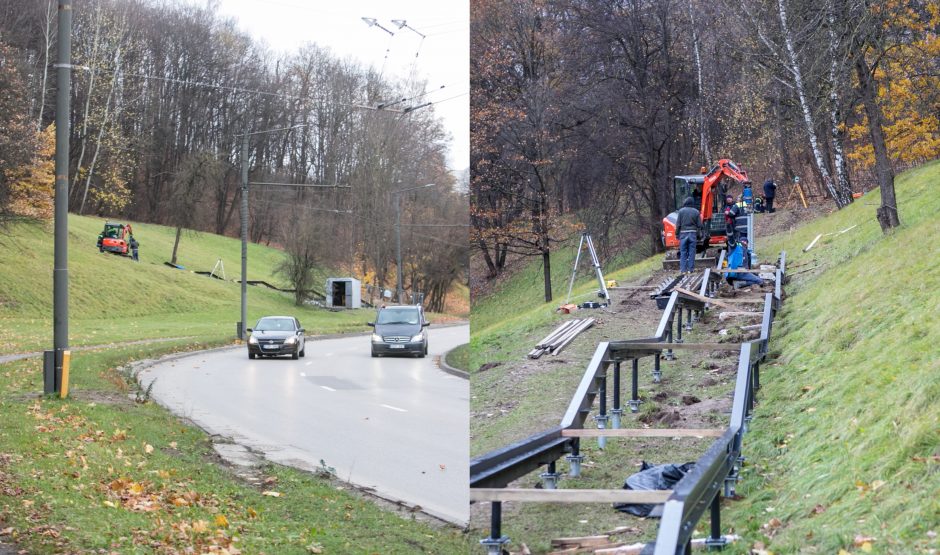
(443,56)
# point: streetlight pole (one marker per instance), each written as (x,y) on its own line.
(400,289)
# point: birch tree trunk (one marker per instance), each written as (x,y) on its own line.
(91,88)
(702,129)
(794,67)
(47,43)
(843,185)
(101,130)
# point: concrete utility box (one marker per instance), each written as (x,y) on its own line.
(343,293)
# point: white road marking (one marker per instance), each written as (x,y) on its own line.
(309,363)
(303,374)
(394,408)
(327,388)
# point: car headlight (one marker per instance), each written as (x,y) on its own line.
(376,338)
(419,337)
(290,340)
(252,340)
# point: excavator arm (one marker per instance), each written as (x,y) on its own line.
(723,168)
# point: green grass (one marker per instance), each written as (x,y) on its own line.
(459,357)
(111,298)
(845,443)
(98,471)
(854,388)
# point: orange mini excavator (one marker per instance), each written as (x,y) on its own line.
(709,190)
(115,238)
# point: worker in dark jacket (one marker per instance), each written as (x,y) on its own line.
(740,214)
(134,245)
(729,219)
(770,191)
(688,224)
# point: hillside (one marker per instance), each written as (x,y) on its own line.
(112,298)
(844,450)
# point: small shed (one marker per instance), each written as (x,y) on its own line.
(343,292)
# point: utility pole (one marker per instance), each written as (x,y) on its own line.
(60,283)
(244,216)
(398,270)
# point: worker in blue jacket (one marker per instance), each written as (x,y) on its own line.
(738,258)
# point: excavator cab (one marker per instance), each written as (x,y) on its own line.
(114,238)
(708,189)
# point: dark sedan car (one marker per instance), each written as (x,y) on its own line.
(276,335)
(400,330)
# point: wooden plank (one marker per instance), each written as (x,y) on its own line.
(614,346)
(717,302)
(754,300)
(630,496)
(643,432)
(630,287)
(582,541)
(745,271)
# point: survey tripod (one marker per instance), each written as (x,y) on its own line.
(602,292)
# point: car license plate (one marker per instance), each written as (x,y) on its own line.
(396,346)
(270,346)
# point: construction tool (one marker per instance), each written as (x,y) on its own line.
(602,292)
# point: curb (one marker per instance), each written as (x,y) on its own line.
(442,363)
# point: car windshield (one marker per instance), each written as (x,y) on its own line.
(397,316)
(275,324)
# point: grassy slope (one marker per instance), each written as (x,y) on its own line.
(859,333)
(112,298)
(848,418)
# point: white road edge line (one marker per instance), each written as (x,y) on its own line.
(394,408)
(327,388)
(309,363)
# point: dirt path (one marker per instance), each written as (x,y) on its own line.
(21,356)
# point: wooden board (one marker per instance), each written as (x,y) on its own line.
(745,271)
(717,302)
(643,432)
(632,497)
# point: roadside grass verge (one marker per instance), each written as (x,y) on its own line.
(98,471)
(459,357)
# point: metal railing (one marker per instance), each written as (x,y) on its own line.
(718,466)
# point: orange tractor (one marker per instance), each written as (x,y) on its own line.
(115,238)
(709,190)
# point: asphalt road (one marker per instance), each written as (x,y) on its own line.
(398,425)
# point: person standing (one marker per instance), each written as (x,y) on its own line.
(740,214)
(133,244)
(728,211)
(688,224)
(747,195)
(770,191)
